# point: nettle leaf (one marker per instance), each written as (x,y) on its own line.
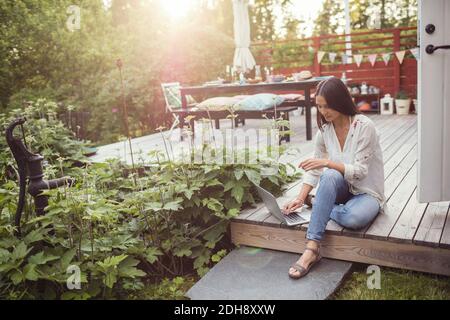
(188,193)
(29,272)
(213,204)
(166,245)
(181,252)
(112,261)
(274,179)
(237,192)
(238,173)
(152,253)
(127,268)
(213,182)
(17,277)
(173,205)
(67,257)
(4,255)
(9,242)
(110,279)
(229,185)
(20,251)
(35,235)
(202,259)
(253,176)
(41,258)
(233,212)
(153,206)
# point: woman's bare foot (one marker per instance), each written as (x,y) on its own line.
(306,258)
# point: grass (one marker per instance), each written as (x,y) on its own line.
(395,284)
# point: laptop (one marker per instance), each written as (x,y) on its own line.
(300,216)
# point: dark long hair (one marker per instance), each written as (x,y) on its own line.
(338,98)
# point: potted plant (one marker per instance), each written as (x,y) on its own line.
(402,102)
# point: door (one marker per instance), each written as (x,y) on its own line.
(434,101)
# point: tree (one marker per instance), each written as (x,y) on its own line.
(328,19)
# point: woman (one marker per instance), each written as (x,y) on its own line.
(351,189)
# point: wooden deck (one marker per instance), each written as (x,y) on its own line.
(409,235)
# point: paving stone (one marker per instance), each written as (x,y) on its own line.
(262,274)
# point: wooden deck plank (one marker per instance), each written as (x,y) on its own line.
(409,138)
(395,178)
(408,223)
(397,128)
(385,222)
(396,138)
(368,251)
(445,239)
(432,224)
(405,148)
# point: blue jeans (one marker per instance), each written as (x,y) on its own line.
(333,200)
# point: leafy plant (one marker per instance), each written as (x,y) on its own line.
(172,222)
(402,95)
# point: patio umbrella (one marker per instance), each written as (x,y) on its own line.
(243,58)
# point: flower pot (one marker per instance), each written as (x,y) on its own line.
(402,106)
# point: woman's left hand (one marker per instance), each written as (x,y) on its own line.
(311,164)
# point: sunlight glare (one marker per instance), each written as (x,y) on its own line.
(177,9)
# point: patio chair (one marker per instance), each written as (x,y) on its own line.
(172,98)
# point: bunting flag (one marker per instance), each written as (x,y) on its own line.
(358,59)
(332,56)
(344,58)
(415,52)
(400,55)
(386,58)
(320,55)
(372,58)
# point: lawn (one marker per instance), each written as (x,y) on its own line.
(395,285)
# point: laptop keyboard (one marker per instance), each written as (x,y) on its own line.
(293,217)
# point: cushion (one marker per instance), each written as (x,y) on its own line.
(241,96)
(293,96)
(260,101)
(218,103)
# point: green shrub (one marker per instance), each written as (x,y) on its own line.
(120,231)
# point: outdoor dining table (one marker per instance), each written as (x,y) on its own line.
(304,86)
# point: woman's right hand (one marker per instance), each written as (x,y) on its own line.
(293,205)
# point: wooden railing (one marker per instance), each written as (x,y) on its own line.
(289,56)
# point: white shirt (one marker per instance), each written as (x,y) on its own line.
(362,157)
